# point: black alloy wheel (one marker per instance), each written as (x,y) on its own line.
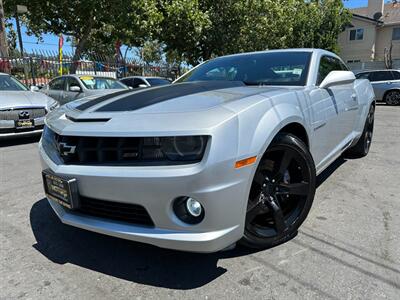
(281,195)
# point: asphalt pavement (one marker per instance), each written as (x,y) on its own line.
(348,248)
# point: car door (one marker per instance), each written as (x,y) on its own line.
(69,95)
(328,111)
(56,88)
(381,82)
(351,103)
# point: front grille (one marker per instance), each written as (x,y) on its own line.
(14,130)
(118,151)
(99,150)
(130,213)
(13,114)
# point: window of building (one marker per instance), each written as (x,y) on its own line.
(396,34)
(357,34)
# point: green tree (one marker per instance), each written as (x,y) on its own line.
(91,22)
(202,29)
(183,28)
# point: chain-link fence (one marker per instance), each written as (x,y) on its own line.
(39,67)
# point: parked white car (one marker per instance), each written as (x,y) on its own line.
(230,151)
(22,111)
(386,84)
(144,81)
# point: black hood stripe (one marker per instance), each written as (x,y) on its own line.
(141,99)
(100,99)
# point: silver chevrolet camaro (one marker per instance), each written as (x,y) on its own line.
(229,152)
(22,111)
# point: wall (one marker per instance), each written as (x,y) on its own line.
(384,38)
(363,50)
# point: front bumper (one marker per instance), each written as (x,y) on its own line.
(222,190)
(7,129)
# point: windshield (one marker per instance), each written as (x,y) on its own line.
(8,83)
(273,68)
(158,81)
(101,83)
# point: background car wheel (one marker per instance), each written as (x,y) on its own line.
(281,194)
(361,149)
(392,98)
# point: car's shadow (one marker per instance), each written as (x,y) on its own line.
(129,260)
(120,258)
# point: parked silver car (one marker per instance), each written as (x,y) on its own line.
(386,84)
(230,151)
(71,87)
(144,82)
(22,111)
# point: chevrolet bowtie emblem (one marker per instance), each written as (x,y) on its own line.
(66,149)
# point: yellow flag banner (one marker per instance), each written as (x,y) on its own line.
(60,52)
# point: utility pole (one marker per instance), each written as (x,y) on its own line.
(3,38)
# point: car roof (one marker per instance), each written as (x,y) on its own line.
(83,75)
(382,70)
(144,77)
(311,50)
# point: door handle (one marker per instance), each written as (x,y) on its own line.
(354,97)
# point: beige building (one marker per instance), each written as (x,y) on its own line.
(372,29)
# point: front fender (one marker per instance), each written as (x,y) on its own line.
(258,128)
(255,136)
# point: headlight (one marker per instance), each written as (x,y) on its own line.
(52,105)
(184,147)
(177,148)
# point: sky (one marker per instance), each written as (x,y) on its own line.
(50,42)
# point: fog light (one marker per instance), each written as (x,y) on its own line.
(194,207)
(188,210)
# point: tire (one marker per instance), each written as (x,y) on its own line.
(392,98)
(363,145)
(281,194)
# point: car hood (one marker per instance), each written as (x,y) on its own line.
(177,108)
(22,99)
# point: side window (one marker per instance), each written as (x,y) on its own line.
(362,76)
(396,75)
(57,84)
(396,34)
(326,65)
(343,65)
(127,81)
(136,82)
(71,82)
(381,76)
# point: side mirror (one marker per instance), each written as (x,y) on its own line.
(337,78)
(34,88)
(142,85)
(75,89)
